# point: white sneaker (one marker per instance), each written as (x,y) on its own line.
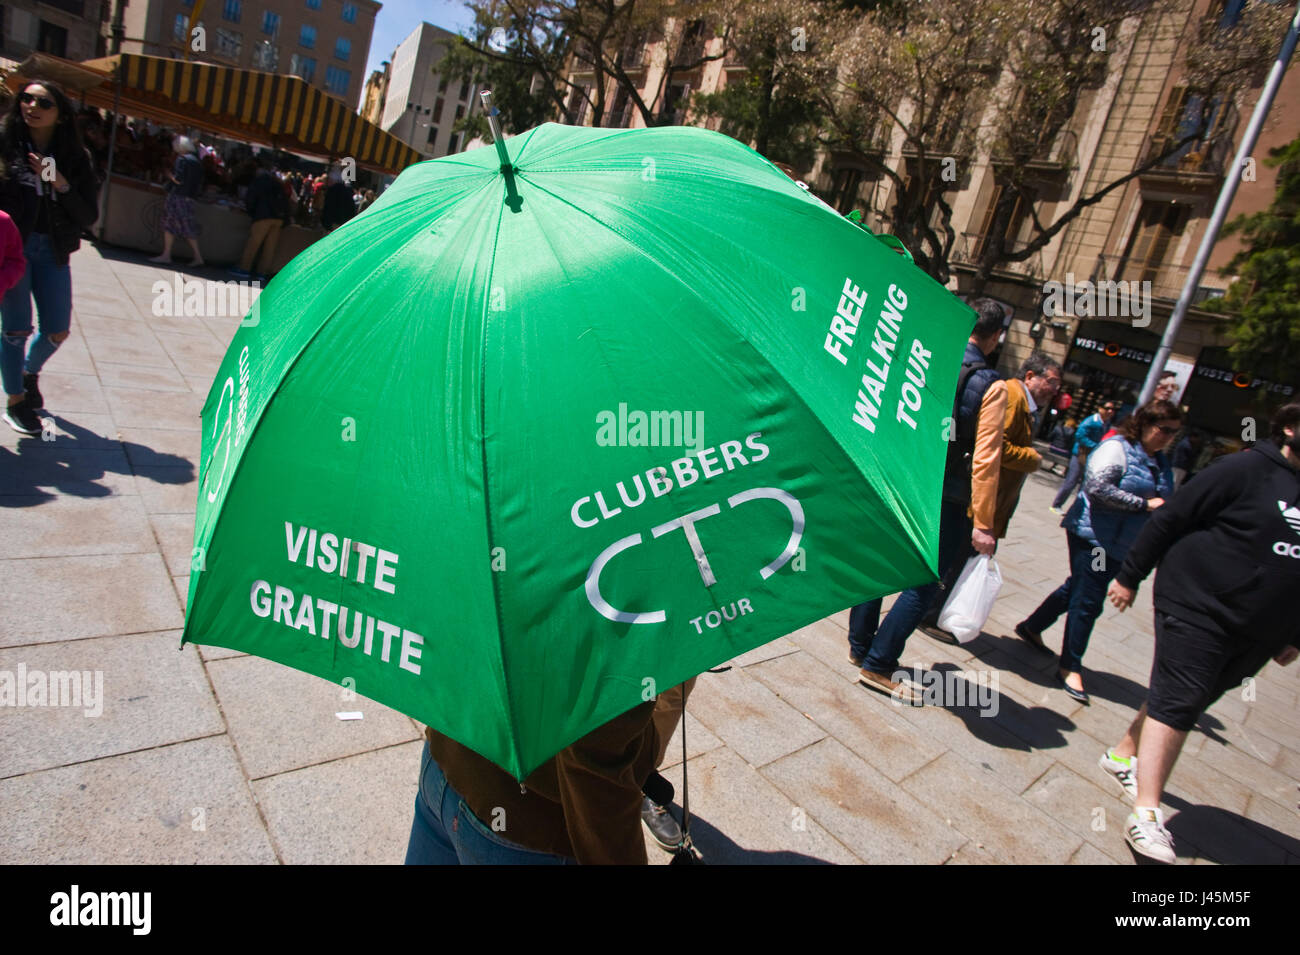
(1123,771)
(1145,831)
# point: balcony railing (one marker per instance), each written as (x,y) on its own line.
(1167,281)
(970,247)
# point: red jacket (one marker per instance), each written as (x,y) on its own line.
(12,261)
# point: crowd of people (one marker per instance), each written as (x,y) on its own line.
(1220,602)
(1221,536)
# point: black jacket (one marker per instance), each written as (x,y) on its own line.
(265,198)
(1228,545)
(69,212)
(339,205)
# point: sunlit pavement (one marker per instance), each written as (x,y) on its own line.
(206,755)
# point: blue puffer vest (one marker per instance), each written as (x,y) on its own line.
(1113,530)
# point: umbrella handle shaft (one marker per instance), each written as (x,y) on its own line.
(494,124)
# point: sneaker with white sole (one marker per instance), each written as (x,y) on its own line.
(22,418)
(1145,832)
(1123,771)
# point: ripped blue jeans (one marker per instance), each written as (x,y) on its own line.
(51,285)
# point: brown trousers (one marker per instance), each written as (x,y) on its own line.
(266,233)
(668,713)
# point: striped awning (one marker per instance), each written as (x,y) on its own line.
(272,109)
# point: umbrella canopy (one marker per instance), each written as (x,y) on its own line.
(517,448)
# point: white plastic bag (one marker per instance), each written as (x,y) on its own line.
(971,600)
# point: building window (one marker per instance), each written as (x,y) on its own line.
(232,10)
(433,135)
(178,28)
(464,90)
(337,80)
(270,23)
(343,48)
(307,36)
(187,3)
(313,4)
(303,66)
(1158,226)
(453,143)
(229,43)
(349,13)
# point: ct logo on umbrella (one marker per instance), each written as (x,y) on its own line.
(687,523)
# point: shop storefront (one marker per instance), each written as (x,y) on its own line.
(1107,361)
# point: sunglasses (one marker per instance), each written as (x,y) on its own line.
(44,102)
(1165,429)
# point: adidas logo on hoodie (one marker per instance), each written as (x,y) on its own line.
(1292,516)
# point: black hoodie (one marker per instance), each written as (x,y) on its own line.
(1228,545)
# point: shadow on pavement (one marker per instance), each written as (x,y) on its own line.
(74,464)
(998,719)
(1222,836)
(717,849)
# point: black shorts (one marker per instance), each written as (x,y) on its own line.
(1194,667)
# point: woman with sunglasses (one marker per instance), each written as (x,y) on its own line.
(48,187)
(1127,478)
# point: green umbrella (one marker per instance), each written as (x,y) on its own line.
(518,448)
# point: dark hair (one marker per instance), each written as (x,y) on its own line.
(989,317)
(1288,416)
(1168,374)
(65,147)
(1039,363)
(1149,414)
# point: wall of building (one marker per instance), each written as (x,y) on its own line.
(66,28)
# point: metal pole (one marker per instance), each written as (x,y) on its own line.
(495,125)
(112,145)
(1226,195)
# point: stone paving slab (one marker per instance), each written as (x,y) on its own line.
(116,525)
(881,822)
(743,819)
(884,739)
(1012,831)
(54,599)
(751,719)
(282,719)
(131,693)
(365,803)
(141,808)
(146,377)
(1079,804)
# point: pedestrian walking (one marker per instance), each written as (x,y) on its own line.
(966,511)
(1127,478)
(1185,454)
(338,207)
(1228,548)
(1086,438)
(48,188)
(582,805)
(1034,386)
(658,818)
(180,217)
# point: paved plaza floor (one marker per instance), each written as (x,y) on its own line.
(206,755)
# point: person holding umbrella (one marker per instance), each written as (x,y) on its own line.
(1224,606)
(581,806)
(1127,479)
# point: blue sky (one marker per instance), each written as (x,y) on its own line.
(397,18)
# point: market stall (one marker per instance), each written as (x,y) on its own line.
(266,109)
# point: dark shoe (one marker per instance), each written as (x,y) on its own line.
(34,399)
(663,827)
(23,419)
(239,273)
(855,659)
(1031,637)
(1074,694)
(938,633)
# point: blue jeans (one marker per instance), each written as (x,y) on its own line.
(879,645)
(445,832)
(1081,598)
(1073,475)
(51,284)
